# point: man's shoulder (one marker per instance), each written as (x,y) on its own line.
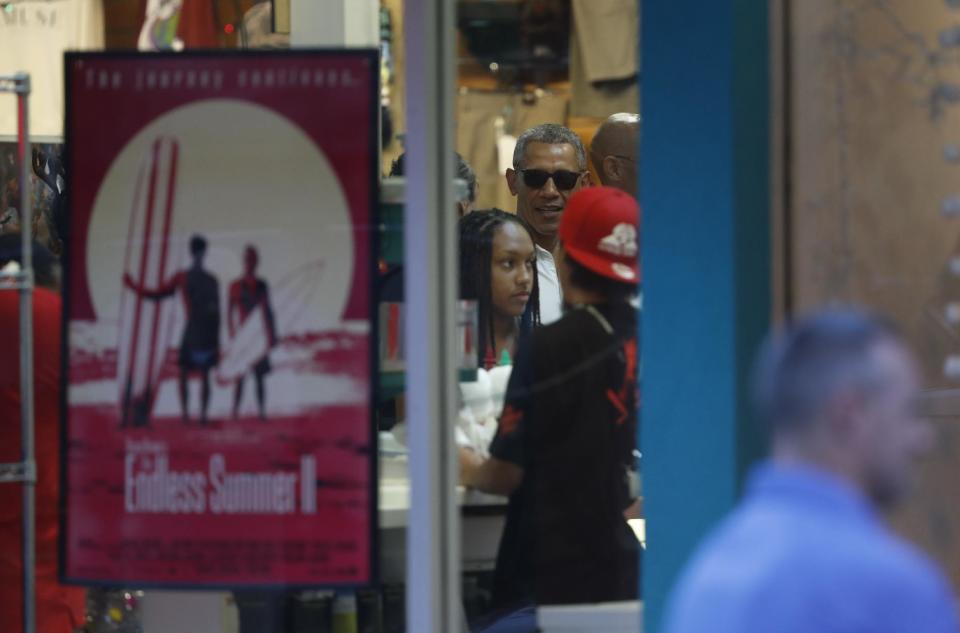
(893,575)
(770,571)
(899,562)
(777,559)
(764,541)
(579,322)
(207,276)
(824,540)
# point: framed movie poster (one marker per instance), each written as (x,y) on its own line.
(219,319)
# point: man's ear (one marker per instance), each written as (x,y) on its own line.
(512,181)
(611,168)
(587,180)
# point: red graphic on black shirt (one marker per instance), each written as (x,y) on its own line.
(510,419)
(621,400)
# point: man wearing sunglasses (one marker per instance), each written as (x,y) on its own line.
(614,152)
(549,166)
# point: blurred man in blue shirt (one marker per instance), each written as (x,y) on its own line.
(808,550)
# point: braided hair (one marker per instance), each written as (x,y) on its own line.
(477,231)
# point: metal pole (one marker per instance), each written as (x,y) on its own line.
(430,251)
(22,82)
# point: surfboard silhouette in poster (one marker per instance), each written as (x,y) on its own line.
(259,317)
(145,326)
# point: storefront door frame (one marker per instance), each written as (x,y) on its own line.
(430,269)
(706,262)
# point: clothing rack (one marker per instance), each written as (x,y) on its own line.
(24,471)
(529,93)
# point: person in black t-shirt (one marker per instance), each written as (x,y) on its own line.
(200,344)
(567,431)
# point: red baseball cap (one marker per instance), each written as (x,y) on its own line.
(598,230)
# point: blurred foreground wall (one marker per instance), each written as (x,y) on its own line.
(872,166)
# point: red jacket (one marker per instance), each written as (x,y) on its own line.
(60,609)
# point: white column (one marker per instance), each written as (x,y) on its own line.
(335,23)
(430,250)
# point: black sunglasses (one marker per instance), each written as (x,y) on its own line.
(562,179)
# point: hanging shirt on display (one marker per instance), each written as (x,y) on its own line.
(172,25)
(608,31)
(604,58)
(33,37)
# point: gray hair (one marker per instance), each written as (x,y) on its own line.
(551,134)
(801,369)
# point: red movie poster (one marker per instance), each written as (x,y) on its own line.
(219,319)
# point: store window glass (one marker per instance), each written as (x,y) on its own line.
(547,117)
(547,126)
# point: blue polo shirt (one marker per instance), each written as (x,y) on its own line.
(805,553)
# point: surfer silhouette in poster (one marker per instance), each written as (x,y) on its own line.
(200,344)
(250,296)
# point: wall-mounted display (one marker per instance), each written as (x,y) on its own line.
(219,328)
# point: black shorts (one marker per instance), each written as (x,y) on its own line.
(262,367)
(198,359)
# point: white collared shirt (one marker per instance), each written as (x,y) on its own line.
(551,297)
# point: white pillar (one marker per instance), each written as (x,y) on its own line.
(335,23)
(430,251)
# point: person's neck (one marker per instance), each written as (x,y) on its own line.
(546,242)
(505,333)
(575,296)
(813,454)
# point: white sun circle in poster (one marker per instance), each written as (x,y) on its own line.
(241,177)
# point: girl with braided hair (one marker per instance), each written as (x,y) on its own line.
(498,270)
